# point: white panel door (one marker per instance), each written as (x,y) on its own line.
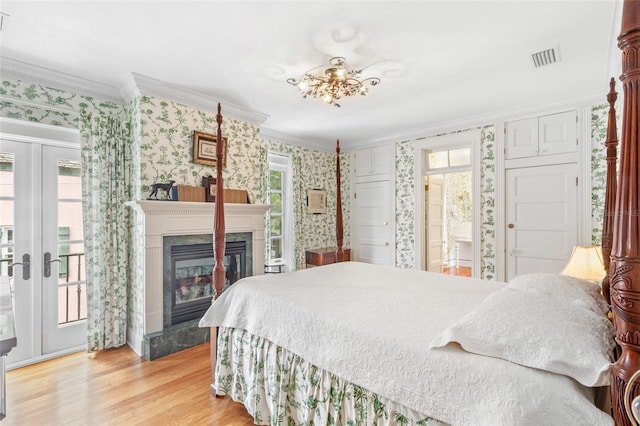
(557,133)
(373,234)
(542,218)
(435,222)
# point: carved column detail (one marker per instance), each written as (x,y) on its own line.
(625,261)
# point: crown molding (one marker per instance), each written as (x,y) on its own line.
(152,87)
(485,120)
(270,134)
(21,70)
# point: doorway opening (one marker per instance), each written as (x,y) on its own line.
(448,222)
(447,193)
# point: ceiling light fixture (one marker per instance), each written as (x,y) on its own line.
(338,81)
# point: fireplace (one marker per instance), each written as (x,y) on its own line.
(150,332)
(188,268)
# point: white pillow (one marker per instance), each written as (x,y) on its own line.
(537,330)
(564,288)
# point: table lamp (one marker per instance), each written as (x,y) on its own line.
(585,263)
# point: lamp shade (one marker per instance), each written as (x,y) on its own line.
(585,263)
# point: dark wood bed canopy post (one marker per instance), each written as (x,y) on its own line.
(339,226)
(625,258)
(609,202)
(218,216)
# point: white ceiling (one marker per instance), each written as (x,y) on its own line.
(440,62)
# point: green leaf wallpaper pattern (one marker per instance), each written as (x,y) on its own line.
(405,205)
(166,148)
(599,119)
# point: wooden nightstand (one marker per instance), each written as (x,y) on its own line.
(324,256)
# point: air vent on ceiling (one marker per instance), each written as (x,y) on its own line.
(546,57)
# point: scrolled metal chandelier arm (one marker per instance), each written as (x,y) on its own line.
(337,82)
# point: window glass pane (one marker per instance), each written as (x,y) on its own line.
(69,180)
(460,157)
(438,159)
(276,225)
(70,216)
(6,174)
(275,179)
(276,248)
(276,202)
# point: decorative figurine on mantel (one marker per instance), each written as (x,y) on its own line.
(166,187)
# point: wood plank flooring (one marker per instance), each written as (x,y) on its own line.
(116,387)
(461,271)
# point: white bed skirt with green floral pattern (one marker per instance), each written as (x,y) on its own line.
(278,387)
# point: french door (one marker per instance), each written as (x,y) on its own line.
(41,235)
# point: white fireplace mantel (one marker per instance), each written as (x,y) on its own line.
(171,218)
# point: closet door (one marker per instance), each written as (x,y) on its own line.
(542,216)
(373,231)
(522,138)
(557,133)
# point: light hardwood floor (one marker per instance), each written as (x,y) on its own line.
(116,387)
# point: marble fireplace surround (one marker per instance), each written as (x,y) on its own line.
(175,218)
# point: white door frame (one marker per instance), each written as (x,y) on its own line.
(469,138)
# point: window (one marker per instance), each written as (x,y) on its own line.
(280,238)
(63,235)
(275,214)
(450,158)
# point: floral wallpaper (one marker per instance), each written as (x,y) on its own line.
(599,119)
(405,205)
(315,169)
(41,104)
(166,148)
(487,203)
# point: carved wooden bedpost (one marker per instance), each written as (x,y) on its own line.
(219,276)
(218,216)
(339,226)
(610,196)
(625,259)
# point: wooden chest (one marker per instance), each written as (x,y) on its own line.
(324,256)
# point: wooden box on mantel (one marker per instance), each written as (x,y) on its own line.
(187,193)
(238,196)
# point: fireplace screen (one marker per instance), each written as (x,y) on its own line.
(191,276)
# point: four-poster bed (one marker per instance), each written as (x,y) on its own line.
(351,342)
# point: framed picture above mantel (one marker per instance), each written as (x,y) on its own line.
(204,149)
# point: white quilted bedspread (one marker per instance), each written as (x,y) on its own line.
(372,325)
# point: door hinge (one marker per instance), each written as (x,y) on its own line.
(576,180)
(355,195)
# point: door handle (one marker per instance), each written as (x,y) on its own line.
(511,226)
(47,264)
(26,267)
